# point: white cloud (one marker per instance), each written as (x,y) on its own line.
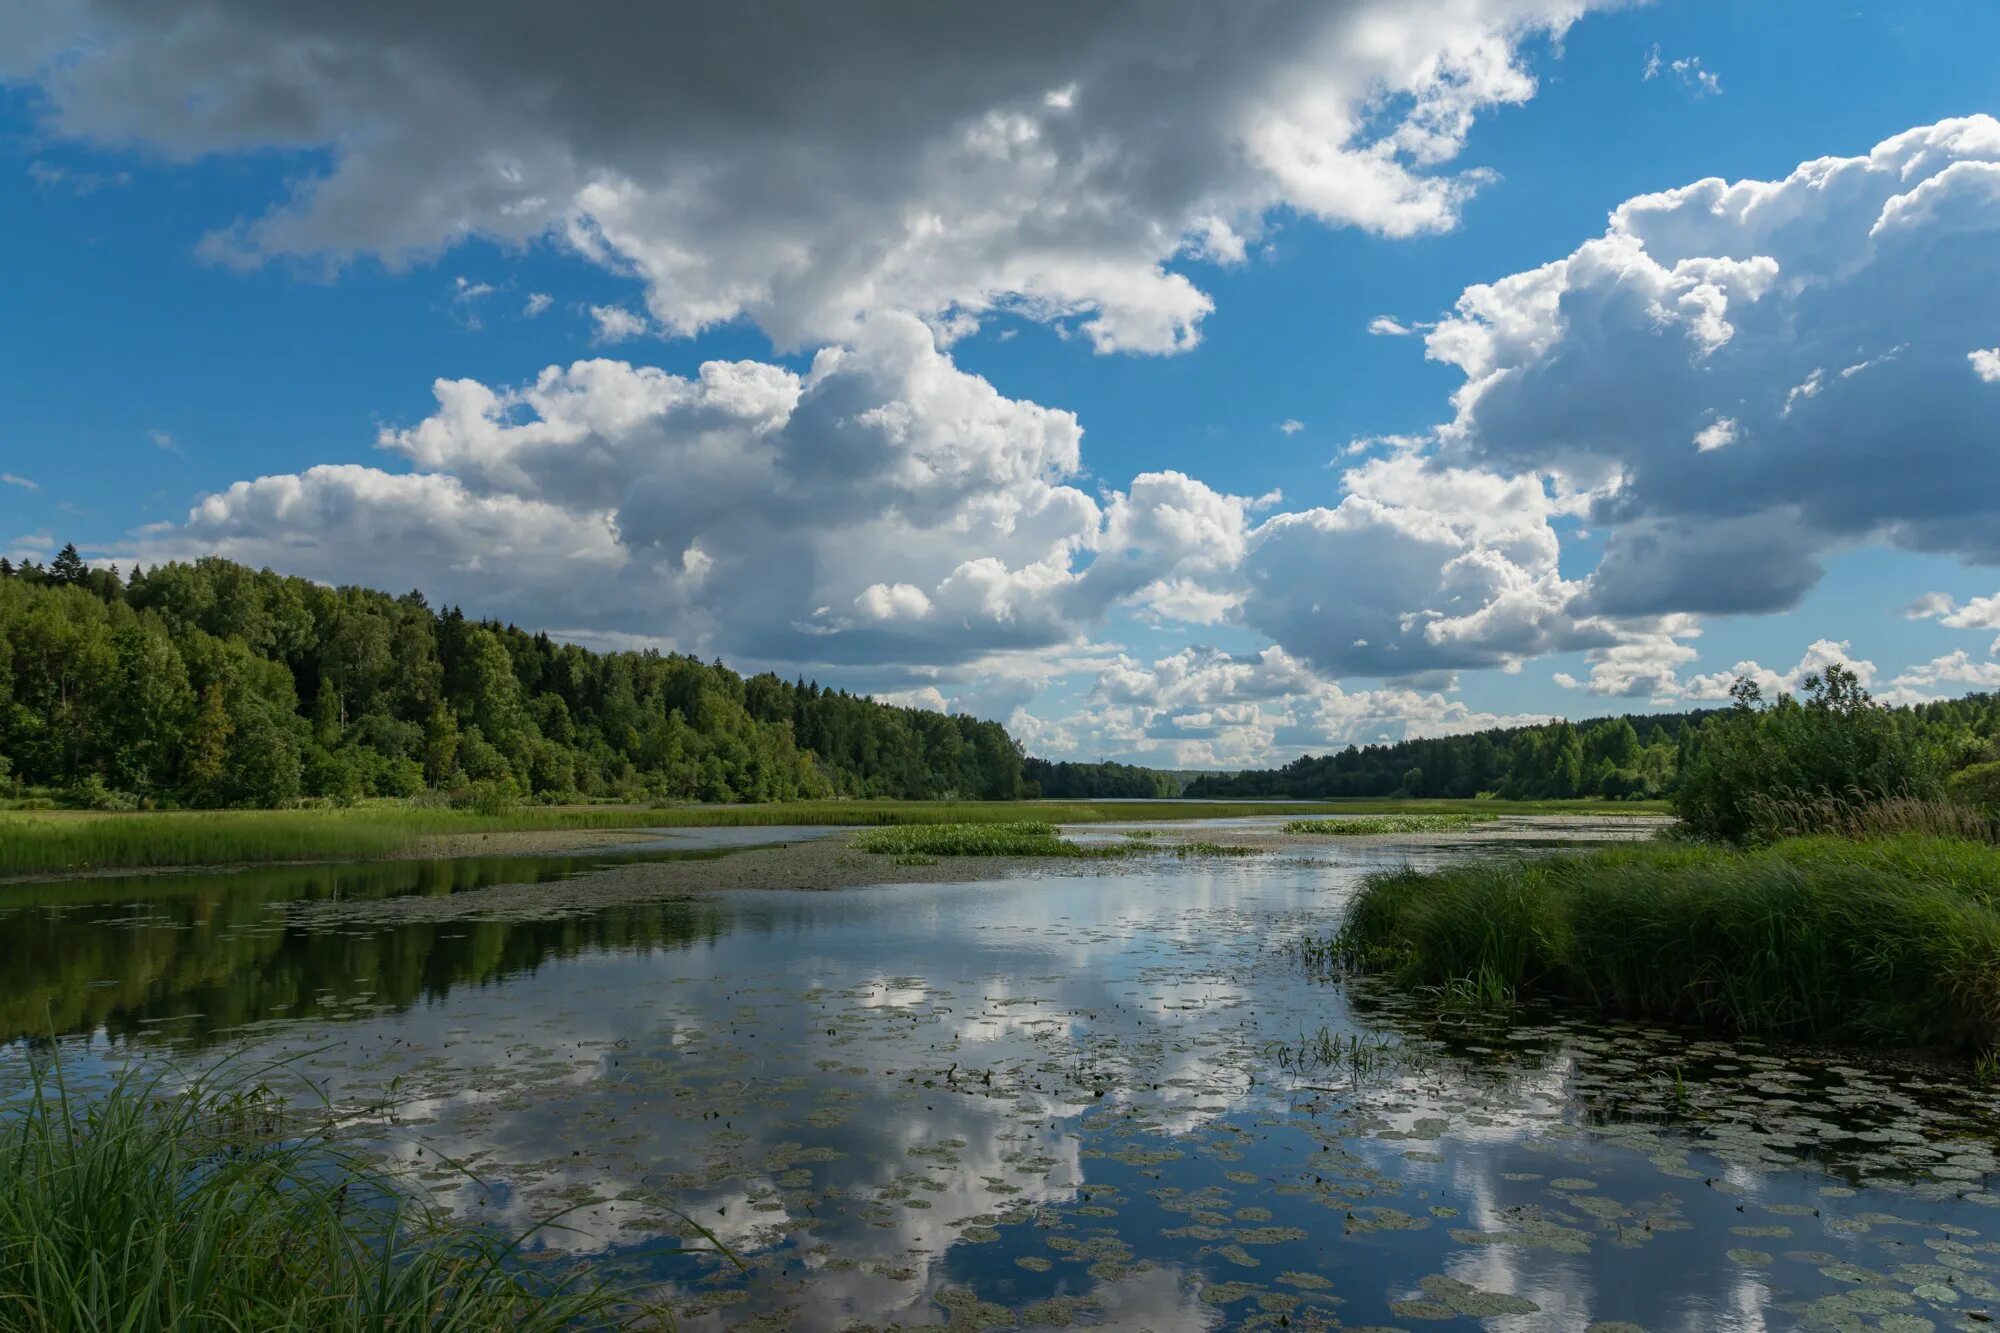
(9,479)
(1418,569)
(1204,708)
(1818,657)
(1954,668)
(614,323)
(1716,434)
(1986,364)
(882,507)
(1054,159)
(1723,311)
(162,440)
(536,304)
(1979,613)
(1688,69)
(1291,425)
(1388,326)
(1929,606)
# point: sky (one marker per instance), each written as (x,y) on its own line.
(1178,383)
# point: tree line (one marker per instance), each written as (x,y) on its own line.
(212,684)
(1633,757)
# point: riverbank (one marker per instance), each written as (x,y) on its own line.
(1893,941)
(55,843)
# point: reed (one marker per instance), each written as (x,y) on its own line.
(1890,941)
(150,1206)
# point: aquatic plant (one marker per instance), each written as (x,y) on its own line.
(147,1205)
(1197,848)
(1893,941)
(1367,826)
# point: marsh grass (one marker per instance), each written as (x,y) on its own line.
(930,841)
(1889,941)
(1855,816)
(1197,849)
(149,1205)
(1362,826)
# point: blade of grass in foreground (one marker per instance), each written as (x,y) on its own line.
(153,1205)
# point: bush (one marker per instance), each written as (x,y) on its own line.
(1757,769)
(92,794)
(1977,786)
(487,796)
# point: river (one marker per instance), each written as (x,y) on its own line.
(1111,1098)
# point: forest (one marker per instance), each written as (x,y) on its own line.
(211,684)
(214,685)
(1632,757)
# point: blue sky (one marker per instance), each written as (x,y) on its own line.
(188,310)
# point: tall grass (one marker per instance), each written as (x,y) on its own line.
(146,1207)
(1362,826)
(1855,815)
(1890,941)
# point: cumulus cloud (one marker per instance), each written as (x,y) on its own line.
(1954,668)
(1822,654)
(1419,569)
(882,506)
(1052,159)
(1206,708)
(1986,364)
(1979,613)
(1291,425)
(1751,317)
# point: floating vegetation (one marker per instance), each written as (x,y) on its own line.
(1364,826)
(1195,848)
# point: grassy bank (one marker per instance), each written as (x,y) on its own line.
(1888,941)
(155,1207)
(54,842)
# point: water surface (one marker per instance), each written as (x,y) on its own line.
(1091,1099)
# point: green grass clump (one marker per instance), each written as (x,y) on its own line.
(1894,941)
(156,1207)
(1196,849)
(1362,826)
(919,844)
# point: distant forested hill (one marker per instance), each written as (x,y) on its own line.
(211,684)
(1629,757)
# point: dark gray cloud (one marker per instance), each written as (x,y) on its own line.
(802,163)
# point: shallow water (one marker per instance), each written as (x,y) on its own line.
(1089,1099)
